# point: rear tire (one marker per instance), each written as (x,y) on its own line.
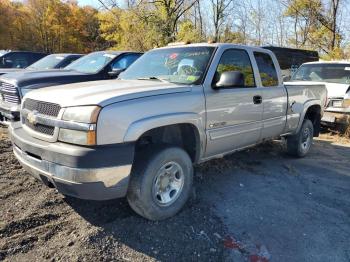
(160,183)
(299,144)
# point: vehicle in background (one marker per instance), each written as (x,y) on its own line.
(336,76)
(174,107)
(19,59)
(54,61)
(291,59)
(94,66)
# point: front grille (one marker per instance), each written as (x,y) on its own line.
(43,108)
(9,93)
(40,128)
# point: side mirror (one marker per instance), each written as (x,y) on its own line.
(286,78)
(115,72)
(230,79)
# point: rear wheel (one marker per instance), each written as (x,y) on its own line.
(161,182)
(299,144)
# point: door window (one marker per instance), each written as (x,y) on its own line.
(236,60)
(125,61)
(267,70)
(16,60)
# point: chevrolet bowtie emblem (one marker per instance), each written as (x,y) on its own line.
(31,117)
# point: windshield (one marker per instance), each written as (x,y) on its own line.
(331,73)
(91,63)
(183,65)
(48,62)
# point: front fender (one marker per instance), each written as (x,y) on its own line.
(139,127)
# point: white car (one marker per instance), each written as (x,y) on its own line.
(336,76)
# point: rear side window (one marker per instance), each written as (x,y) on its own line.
(236,60)
(267,70)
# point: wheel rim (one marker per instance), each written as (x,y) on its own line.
(306,139)
(168,184)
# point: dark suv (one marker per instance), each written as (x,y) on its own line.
(94,66)
(54,61)
(18,59)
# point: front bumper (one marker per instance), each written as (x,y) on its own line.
(8,112)
(336,117)
(97,173)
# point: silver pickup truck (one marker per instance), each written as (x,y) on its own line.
(176,106)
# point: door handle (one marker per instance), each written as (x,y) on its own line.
(257,99)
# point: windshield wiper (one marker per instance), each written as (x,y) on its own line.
(152,78)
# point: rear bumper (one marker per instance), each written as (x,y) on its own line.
(97,173)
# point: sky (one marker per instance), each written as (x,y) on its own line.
(93,3)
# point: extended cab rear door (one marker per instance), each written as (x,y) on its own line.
(274,96)
(234,115)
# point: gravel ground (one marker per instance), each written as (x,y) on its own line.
(256,205)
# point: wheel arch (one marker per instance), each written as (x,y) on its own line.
(313,112)
(185,130)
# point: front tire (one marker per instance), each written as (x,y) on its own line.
(299,144)
(161,182)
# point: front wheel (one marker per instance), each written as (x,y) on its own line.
(299,144)
(160,183)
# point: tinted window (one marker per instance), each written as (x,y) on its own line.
(125,61)
(267,70)
(16,60)
(236,60)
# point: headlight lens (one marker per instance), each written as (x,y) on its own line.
(82,114)
(87,138)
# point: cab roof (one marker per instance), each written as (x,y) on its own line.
(216,45)
(328,62)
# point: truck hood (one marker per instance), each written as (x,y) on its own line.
(104,92)
(337,90)
(30,79)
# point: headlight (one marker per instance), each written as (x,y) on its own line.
(87,116)
(87,138)
(82,114)
(346,102)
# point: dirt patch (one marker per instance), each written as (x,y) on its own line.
(39,224)
(248,206)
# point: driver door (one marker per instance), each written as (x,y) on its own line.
(234,115)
